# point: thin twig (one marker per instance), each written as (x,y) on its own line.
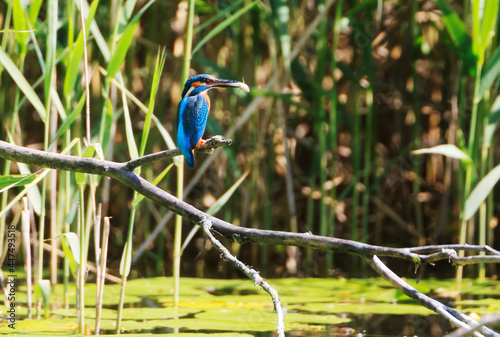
(250,272)
(486,319)
(450,314)
(209,146)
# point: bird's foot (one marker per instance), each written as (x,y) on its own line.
(209,145)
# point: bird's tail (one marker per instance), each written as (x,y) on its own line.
(189,158)
(183,144)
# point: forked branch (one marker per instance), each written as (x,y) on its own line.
(124,172)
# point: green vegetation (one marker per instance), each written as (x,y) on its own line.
(343,96)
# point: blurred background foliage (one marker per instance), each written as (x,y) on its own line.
(341,93)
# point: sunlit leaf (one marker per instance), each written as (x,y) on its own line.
(448,150)
(488,22)
(160,62)
(34,9)
(34,195)
(20,25)
(216,207)
(70,119)
(481,192)
(21,82)
(140,197)
(94,28)
(77,52)
(493,121)
(71,247)
(126,259)
(490,73)
(123,44)
(88,153)
(129,131)
(458,34)
(42,291)
(125,13)
(166,136)
(50,58)
(223,25)
(15,180)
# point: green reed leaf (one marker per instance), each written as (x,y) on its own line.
(70,119)
(140,197)
(481,192)
(50,58)
(160,62)
(10,181)
(71,247)
(490,73)
(123,44)
(20,25)
(23,84)
(42,291)
(223,25)
(448,150)
(88,153)
(126,260)
(33,11)
(216,207)
(458,34)
(76,54)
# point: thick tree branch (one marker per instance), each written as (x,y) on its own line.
(124,173)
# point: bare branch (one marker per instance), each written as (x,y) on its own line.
(124,173)
(251,273)
(457,318)
(208,147)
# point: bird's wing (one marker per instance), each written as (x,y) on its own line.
(183,142)
(195,118)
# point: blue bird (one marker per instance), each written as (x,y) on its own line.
(194,109)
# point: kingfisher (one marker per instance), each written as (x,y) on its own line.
(194,109)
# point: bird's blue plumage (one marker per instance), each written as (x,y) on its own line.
(193,114)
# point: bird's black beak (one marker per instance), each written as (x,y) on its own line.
(230,84)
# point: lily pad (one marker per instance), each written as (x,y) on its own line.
(156,313)
(365,308)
